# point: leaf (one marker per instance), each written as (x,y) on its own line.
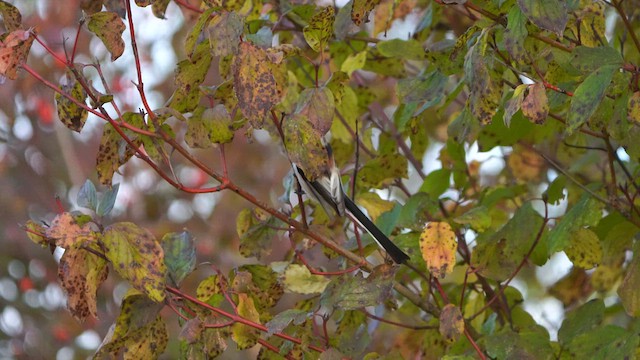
(478,218)
(139,330)
(581,320)
(35,232)
(256,241)
(108,26)
(382,170)
(138,257)
(485,90)
(528,343)
(514,104)
(427,89)
(516,34)
(438,247)
(546,14)
(107,201)
(225,31)
(81,273)
(451,322)
(361,9)
(347,292)
(405,49)
(190,74)
(88,196)
(589,59)
(10,16)
(374,204)
(112,153)
(586,212)
(195,35)
(588,96)
(244,335)
(584,249)
(263,286)
(526,164)
(283,319)
(209,126)
(633,108)
(304,146)
(317,105)
(14,49)
(68,233)
(298,279)
(320,29)
(437,182)
(354,62)
(602,343)
(210,291)
(179,255)
(535,105)
(254,83)
(72,115)
(555,190)
(498,254)
(629,290)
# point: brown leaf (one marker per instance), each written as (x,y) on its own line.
(254,83)
(535,105)
(451,322)
(438,247)
(81,273)
(13,52)
(67,233)
(318,106)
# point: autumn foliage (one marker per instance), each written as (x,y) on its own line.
(494,141)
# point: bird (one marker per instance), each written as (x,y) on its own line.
(327,190)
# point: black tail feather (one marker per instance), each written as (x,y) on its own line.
(396,254)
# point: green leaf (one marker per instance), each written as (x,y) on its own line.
(437,182)
(428,88)
(210,290)
(515,34)
(581,320)
(555,190)
(510,244)
(484,85)
(88,196)
(417,211)
(138,257)
(546,14)
(586,212)
(208,126)
(257,237)
(320,29)
(589,59)
(283,319)
(478,218)
(225,31)
(405,49)
(81,273)
(107,201)
(298,279)
(179,255)
(603,343)
(108,26)
(354,62)
(347,292)
(529,343)
(382,170)
(265,288)
(194,37)
(629,290)
(190,73)
(588,96)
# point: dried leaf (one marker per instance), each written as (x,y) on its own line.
(81,273)
(10,16)
(317,105)
(361,9)
(535,105)
(72,115)
(451,322)
(14,49)
(68,232)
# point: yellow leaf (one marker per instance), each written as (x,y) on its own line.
(108,26)
(438,246)
(244,335)
(320,28)
(81,273)
(298,279)
(374,204)
(633,108)
(585,249)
